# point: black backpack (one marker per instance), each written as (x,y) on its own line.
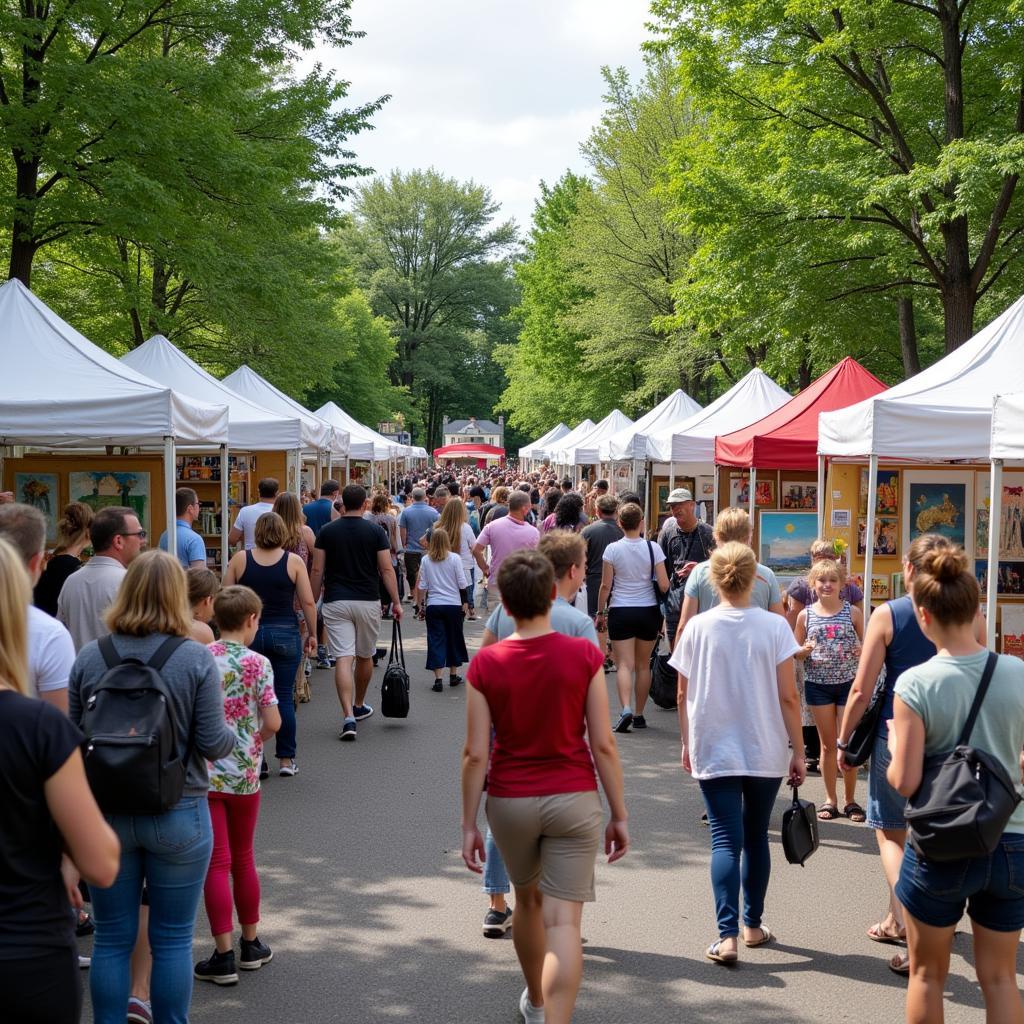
(131,751)
(394,687)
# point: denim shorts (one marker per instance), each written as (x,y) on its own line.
(885,806)
(817,695)
(992,887)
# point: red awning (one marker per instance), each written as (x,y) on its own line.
(469,451)
(788,437)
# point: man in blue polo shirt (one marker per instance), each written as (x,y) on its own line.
(413,523)
(318,513)
(191,546)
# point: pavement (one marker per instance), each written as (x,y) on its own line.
(374,918)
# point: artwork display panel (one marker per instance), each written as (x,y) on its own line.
(939,502)
(41,491)
(785,541)
(798,495)
(108,487)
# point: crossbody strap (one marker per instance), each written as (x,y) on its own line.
(986,678)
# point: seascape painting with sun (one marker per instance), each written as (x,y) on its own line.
(785,542)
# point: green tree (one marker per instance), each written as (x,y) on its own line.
(438,269)
(894,133)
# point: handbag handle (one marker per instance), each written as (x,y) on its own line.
(397,652)
(796,796)
(986,678)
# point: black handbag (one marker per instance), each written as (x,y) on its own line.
(965,798)
(394,687)
(861,743)
(664,681)
(799,829)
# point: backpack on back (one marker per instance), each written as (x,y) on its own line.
(131,753)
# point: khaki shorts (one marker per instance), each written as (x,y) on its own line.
(551,841)
(352,628)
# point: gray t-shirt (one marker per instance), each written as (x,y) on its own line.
(197,700)
(765,593)
(940,693)
(564,619)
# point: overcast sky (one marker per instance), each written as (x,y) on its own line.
(500,91)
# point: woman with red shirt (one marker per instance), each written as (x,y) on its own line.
(542,801)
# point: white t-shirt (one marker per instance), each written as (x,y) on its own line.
(246,521)
(443,580)
(729,657)
(466,548)
(51,652)
(631,559)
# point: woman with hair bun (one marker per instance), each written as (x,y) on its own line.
(932,703)
(72,540)
(738,715)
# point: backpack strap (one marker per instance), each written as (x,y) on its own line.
(986,678)
(164,651)
(109,651)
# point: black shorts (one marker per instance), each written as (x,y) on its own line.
(634,623)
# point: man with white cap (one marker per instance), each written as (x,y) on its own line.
(686,542)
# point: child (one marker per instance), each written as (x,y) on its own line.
(250,708)
(830,631)
(443,590)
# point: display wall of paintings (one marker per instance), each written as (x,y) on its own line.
(785,541)
(41,491)
(112,487)
(939,502)
(887,536)
(888,492)
(739,491)
(798,495)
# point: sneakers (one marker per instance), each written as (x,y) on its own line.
(639,722)
(321,657)
(139,1011)
(455,680)
(84,962)
(530,1013)
(361,711)
(254,955)
(288,771)
(220,969)
(348,730)
(625,722)
(497,922)
(264,770)
(438,686)
(609,665)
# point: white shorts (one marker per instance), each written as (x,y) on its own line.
(352,628)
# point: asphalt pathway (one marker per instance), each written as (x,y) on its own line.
(373,917)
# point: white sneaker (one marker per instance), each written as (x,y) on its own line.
(288,770)
(531,1014)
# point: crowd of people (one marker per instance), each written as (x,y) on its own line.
(770,685)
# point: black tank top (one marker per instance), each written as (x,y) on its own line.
(275,589)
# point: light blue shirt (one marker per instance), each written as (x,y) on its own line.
(191,547)
(765,593)
(565,619)
(416,520)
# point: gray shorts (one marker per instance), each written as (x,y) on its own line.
(352,628)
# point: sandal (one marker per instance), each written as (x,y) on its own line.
(828,812)
(878,933)
(900,964)
(766,937)
(714,952)
(855,812)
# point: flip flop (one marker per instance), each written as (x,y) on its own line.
(766,937)
(855,812)
(876,933)
(900,964)
(713,952)
(828,812)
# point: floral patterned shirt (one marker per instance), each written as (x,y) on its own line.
(248,683)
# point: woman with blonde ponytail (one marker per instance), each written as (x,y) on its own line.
(738,716)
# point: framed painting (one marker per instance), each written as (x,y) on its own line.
(887,498)
(785,541)
(939,502)
(41,491)
(1010,579)
(109,487)
(1012,616)
(798,495)
(880,587)
(1011,517)
(887,536)
(739,491)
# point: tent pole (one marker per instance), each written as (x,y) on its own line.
(821,495)
(752,484)
(170,472)
(225,509)
(869,534)
(348,471)
(330,464)
(297,463)
(373,466)
(671,477)
(995,515)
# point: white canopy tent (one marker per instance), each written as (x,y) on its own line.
(586,449)
(58,389)
(365,444)
(540,449)
(635,442)
(941,414)
(576,434)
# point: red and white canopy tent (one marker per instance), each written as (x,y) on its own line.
(479,453)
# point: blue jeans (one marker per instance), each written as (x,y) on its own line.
(170,852)
(472,587)
(739,809)
(495,875)
(283,646)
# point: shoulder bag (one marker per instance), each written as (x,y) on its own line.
(394,687)
(965,798)
(861,743)
(654,579)
(664,680)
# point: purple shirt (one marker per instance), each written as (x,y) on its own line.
(504,536)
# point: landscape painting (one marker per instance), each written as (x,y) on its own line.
(785,541)
(112,487)
(40,490)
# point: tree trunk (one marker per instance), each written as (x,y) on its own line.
(908,337)
(161,277)
(958,301)
(23,243)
